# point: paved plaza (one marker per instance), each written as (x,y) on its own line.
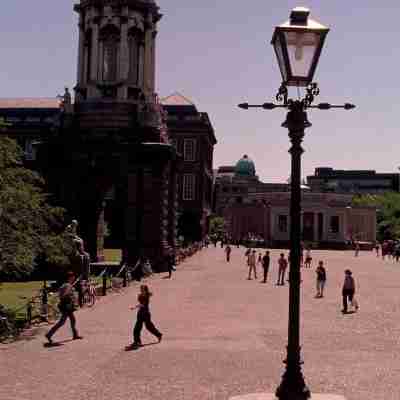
(223,336)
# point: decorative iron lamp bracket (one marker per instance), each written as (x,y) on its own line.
(282,97)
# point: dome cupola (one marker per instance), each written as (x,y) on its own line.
(245,168)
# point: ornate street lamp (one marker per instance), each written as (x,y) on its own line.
(298,44)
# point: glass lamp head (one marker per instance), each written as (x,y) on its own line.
(298,44)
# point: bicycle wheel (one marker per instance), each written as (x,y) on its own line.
(91,299)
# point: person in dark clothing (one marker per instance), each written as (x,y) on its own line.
(283,263)
(265,264)
(348,289)
(67,308)
(321,279)
(143,317)
(228,251)
(171,262)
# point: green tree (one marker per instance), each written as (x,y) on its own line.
(217,226)
(388,212)
(31,230)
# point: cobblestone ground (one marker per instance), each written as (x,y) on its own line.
(223,336)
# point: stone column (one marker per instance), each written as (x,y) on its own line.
(148,68)
(81,53)
(173,206)
(272,225)
(155,214)
(123,67)
(91,224)
(95,52)
(153,60)
(315,219)
(342,226)
(134,213)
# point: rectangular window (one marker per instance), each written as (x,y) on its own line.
(189,149)
(282,223)
(334,224)
(30,150)
(189,187)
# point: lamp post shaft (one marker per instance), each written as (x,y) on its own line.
(293,386)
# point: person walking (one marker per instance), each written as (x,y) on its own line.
(228,251)
(171,262)
(321,279)
(265,264)
(252,264)
(282,264)
(356,249)
(348,290)
(377,249)
(66,306)
(143,317)
(307,263)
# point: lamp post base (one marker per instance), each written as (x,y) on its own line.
(271,396)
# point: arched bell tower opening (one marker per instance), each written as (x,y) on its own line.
(116,49)
(113,138)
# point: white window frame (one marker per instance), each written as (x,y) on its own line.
(189,187)
(186,155)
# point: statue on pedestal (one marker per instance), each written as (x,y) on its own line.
(79,246)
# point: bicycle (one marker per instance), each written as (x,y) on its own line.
(89,293)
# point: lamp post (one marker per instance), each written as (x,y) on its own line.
(298,44)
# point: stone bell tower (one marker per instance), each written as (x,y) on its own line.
(113,147)
(117,43)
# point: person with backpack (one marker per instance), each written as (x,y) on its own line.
(67,308)
(348,291)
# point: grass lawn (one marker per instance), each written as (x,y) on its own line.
(10,293)
(113,254)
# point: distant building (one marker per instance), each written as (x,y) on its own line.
(31,121)
(258,209)
(352,181)
(193,136)
(233,184)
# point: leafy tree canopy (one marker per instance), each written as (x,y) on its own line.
(217,226)
(30,228)
(388,212)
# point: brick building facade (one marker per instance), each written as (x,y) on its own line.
(193,136)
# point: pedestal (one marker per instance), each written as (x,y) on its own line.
(271,396)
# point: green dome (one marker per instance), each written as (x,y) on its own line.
(245,167)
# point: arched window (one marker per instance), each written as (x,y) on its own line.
(109,38)
(135,40)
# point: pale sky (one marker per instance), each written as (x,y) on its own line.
(217,53)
